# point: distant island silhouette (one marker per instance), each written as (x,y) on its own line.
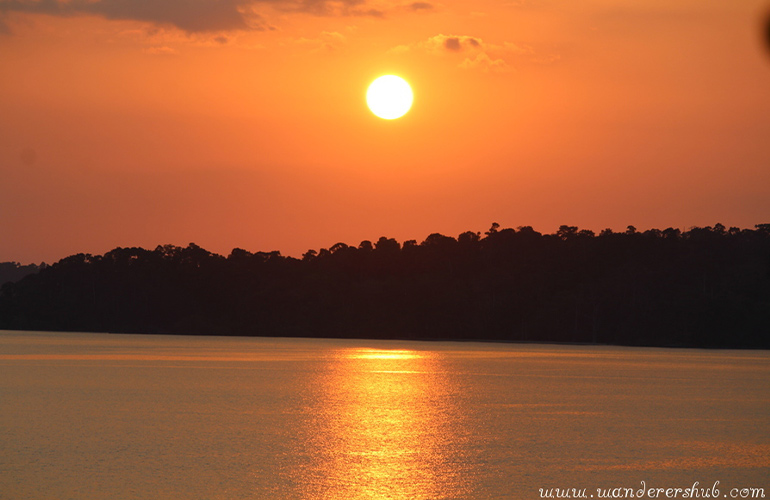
(705,287)
(13,271)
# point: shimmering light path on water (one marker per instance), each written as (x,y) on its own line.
(94,416)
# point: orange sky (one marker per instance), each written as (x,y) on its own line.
(242,123)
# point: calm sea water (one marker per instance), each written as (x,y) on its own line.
(97,416)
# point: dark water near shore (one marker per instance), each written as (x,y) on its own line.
(96,416)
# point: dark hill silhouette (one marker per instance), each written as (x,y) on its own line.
(13,271)
(706,287)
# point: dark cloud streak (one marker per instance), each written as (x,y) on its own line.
(421,6)
(191,16)
(188,15)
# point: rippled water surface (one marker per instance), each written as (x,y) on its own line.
(97,416)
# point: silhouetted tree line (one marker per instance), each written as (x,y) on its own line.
(706,287)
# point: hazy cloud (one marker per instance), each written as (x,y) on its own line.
(421,6)
(455,44)
(477,54)
(326,41)
(368,12)
(325,7)
(483,62)
(452,44)
(188,15)
(161,51)
(191,16)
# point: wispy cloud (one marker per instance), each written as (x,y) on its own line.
(420,6)
(329,8)
(476,54)
(325,41)
(161,51)
(485,63)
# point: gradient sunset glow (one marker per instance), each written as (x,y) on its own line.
(242,123)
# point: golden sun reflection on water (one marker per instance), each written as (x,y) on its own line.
(384,424)
(382,354)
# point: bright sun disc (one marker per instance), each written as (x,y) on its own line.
(389,97)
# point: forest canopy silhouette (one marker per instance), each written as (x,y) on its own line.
(705,287)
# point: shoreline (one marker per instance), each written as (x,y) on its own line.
(401,339)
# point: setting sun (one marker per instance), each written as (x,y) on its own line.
(389,97)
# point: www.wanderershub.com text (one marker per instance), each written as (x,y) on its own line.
(646,491)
